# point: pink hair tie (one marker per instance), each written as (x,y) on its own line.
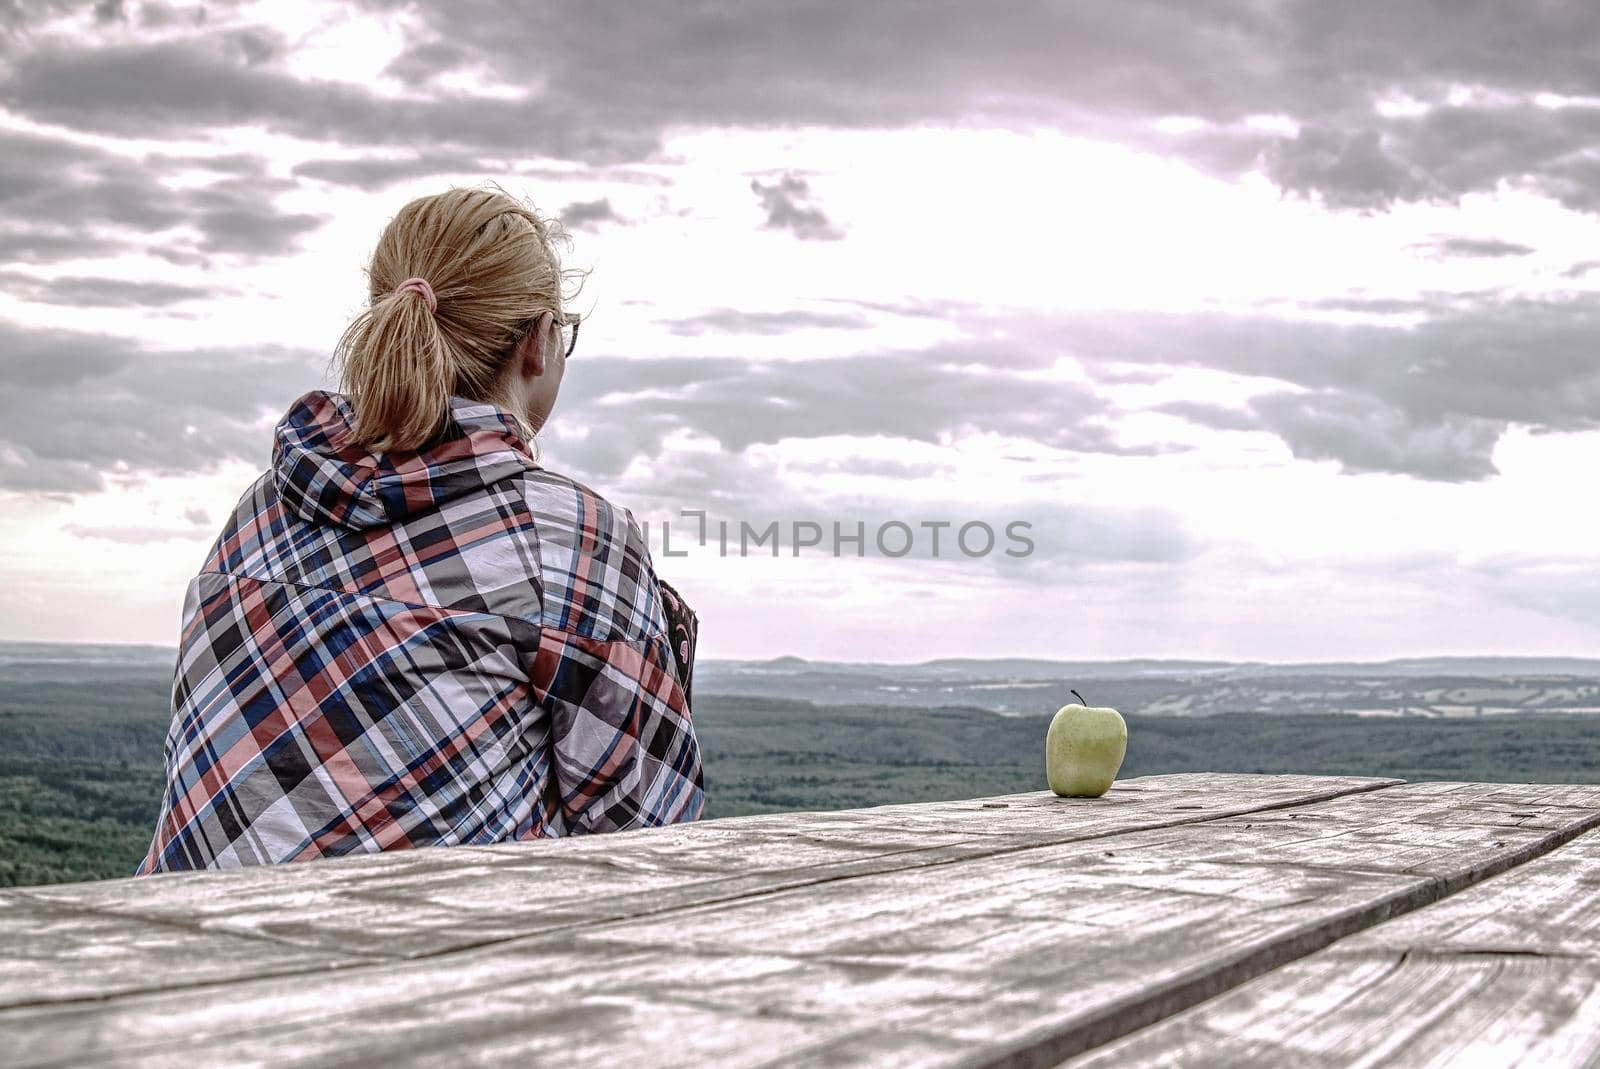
(422,287)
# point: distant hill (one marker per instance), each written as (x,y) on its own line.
(1415,686)
(41,662)
(1035,668)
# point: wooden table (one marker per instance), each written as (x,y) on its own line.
(1190,919)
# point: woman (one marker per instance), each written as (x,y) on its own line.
(409,633)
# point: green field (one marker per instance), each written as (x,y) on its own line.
(80,764)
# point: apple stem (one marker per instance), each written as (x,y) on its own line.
(1078,696)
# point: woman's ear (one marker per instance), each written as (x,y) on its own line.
(534,349)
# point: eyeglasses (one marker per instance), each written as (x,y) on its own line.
(567,323)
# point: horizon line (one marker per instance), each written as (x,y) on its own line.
(1214,661)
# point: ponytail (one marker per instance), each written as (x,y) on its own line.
(397,373)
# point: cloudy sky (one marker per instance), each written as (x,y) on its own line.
(1277,321)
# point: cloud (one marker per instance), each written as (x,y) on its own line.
(258,45)
(626,408)
(1101,71)
(1489,248)
(381,169)
(1374,305)
(232,219)
(587,214)
(135,536)
(89,292)
(1429,304)
(881,467)
(781,200)
(76,407)
(1428,400)
(1365,435)
(23,470)
(611,80)
(1346,169)
(913,308)
(371,172)
(1088,533)
(147,89)
(1478,145)
(1362,434)
(1217,417)
(734,321)
(1562,588)
(65,200)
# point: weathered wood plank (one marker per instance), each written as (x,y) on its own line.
(76,954)
(421,902)
(1507,972)
(1020,957)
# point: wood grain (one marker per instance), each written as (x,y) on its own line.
(1507,972)
(144,934)
(1072,925)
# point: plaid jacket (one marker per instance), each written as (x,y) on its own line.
(389,651)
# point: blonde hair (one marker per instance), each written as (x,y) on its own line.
(492,265)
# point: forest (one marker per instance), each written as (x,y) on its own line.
(81,776)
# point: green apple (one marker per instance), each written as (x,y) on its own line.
(1084,749)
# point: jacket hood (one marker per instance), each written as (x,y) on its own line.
(321,475)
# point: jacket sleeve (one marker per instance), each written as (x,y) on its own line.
(624,753)
(683,633)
